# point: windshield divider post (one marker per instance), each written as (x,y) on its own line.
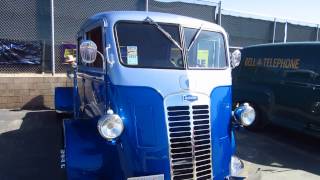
(195,37)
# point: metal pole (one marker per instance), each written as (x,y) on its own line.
(219,15)
(274,30)
(43,56)
(53,68)
(285,32)
(317,38)
(147,5)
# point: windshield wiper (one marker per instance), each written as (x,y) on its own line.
(195,37)
(148,19)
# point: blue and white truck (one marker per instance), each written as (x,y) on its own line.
(151,100)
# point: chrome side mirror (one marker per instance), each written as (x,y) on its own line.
(88,51)
(235,58)
(244,114)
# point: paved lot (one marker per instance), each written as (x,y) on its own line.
(279,154)
(29,145)
(30,142)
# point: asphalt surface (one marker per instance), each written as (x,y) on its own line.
(277,153)
(30,143)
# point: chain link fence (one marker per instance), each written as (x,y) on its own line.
(70,14)
(301,33)
(245,31)
(27,23)
(204,12)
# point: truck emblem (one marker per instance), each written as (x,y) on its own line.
(190,98)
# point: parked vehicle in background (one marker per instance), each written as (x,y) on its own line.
(282,82)
(152,100)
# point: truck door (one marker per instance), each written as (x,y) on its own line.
(315,107)
(299,92)
(91,76)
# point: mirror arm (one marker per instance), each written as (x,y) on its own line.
(103,61)
(75,89)
(104,64)
(111,62)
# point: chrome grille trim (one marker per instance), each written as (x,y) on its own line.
(190,146)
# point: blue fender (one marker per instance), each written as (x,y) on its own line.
(63,99)
(88,155)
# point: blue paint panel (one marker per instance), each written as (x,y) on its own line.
(221,136)
(63,99)
(145,137)
(145,124)
(88,155)
(141,150)
(143,147)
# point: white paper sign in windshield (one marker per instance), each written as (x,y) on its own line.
(132,55)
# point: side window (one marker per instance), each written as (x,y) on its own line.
(95,35)
(317,79)
(305,76)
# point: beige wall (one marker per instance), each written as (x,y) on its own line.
(30,91)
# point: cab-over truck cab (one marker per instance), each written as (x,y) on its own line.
(152,100)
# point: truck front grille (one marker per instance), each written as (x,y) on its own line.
(190,142)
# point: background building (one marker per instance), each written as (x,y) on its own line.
(35,35)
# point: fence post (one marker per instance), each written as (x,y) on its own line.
(147,5)
(43,56)
(285,32)
(219,12)
(53,68)
(317,38)
(274,30)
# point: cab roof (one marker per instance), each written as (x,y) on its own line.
(114,16)
(288,44)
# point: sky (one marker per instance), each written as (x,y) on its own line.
(299,10)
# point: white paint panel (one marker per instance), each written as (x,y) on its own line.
(167,82)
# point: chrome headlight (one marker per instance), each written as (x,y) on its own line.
(245,114)
(110,126)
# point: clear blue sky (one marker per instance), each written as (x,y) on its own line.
(300,10)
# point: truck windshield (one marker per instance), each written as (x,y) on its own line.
(143,45)
(206,49)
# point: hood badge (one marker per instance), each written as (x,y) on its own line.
(189,98)
(184,82)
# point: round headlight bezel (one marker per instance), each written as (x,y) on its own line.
(248,115)
(108,124)
(243,112)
